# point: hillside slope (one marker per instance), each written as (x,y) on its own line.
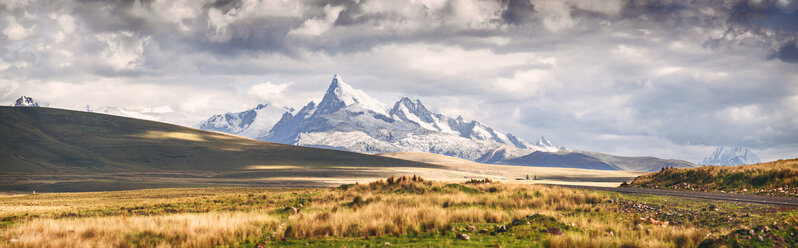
(46,140)
(773,178)
(639,163)
(568,159)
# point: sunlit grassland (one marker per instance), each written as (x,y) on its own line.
(772,178)
(398,211)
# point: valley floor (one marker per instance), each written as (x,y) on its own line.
(398,211)
(451,170)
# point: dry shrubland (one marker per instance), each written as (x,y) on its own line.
(179,230)
(392,207)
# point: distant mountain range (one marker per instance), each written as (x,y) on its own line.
(728,156)
(349,119)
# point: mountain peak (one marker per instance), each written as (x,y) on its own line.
(340,95)
(414,106)
(25,101)
(728,155)
(543,142)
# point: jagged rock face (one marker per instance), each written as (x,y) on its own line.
(731,156)
(25,101)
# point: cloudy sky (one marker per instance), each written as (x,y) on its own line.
(664,78)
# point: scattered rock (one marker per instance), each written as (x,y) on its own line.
(292,209)
(463,236)
(483,230)
(648,231)
(501,228)
(554,231)
(638,227)
(759,237)
(387,243)
(611,234)
(472,229)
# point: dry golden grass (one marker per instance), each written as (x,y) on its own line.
(778,177)
(607,231)
(180,230)
(393,207)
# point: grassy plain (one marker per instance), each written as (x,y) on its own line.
(396,211)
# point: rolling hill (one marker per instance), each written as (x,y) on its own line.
(569,160)
(62,143)
(772,178)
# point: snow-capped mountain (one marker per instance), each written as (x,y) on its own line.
(25,101)
(547,146)
(412,111)
(731,156)
(252,123)
(349,119)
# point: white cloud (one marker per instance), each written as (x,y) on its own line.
(524,83)
(609,7)
(270,92)
(123,50)
(15,31)
(556,14)
(67,23)
(15,4)
(475,14)
(632,53)
(8,88)
(250,9)
(318,25)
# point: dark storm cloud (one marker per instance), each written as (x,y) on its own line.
(517,12)
(788,52)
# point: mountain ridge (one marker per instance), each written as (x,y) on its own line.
(729,156)
(349,119)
